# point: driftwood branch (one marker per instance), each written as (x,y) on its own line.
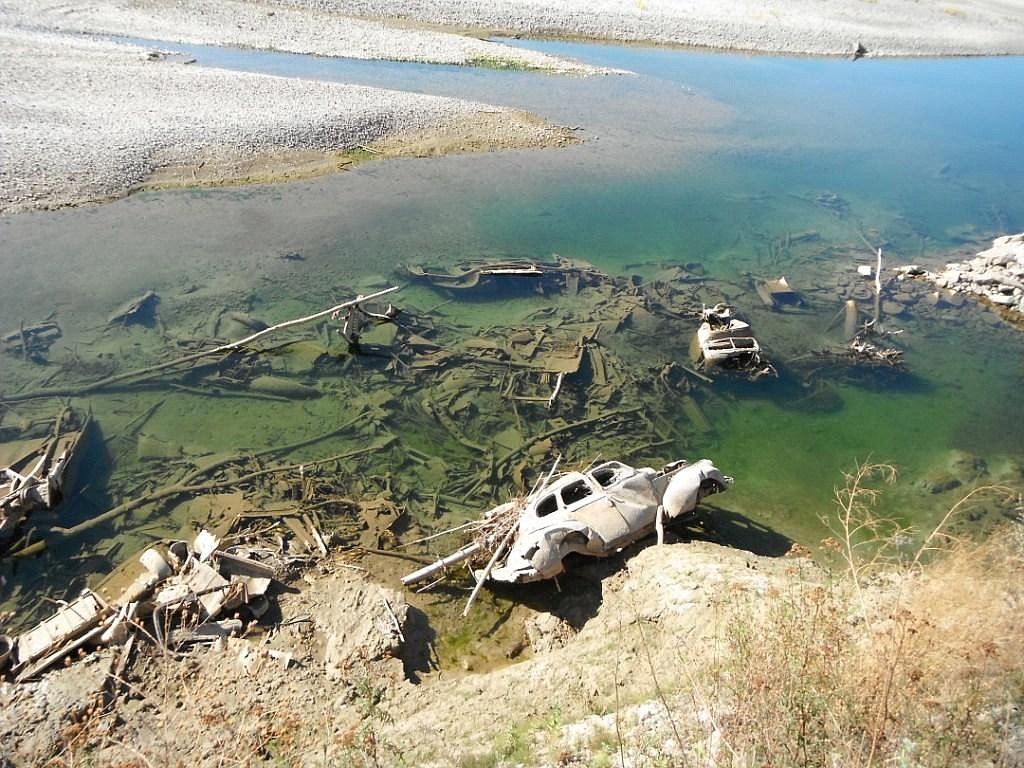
(878,289)
(498,552)
(507,458)
(154,370)
(500,549)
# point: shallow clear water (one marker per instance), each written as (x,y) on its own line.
(698,158)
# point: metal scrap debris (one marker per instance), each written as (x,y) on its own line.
(32,342)
(179,596)
(726,342)
(138,310)
(563,275)
(35,477)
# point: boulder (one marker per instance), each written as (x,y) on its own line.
(359,621)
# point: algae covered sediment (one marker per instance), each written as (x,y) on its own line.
(481,133)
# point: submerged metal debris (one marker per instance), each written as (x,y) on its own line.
(562,275)
(32,342)
(725,341)
(138,310)
(779,295)
(34,474)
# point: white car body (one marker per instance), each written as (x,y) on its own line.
(600,511)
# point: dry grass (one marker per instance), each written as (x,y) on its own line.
(894,663)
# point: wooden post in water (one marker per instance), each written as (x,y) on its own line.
(878,291)
(850,322)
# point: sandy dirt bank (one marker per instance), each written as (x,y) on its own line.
(215,707)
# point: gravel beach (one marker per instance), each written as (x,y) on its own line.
(87,119)
(280,28)
(819,27)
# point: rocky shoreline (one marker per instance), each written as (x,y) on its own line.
(996,274)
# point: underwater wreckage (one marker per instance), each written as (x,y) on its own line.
(34,475)
(725,341)
(779,296)
(595,512)
(561,275)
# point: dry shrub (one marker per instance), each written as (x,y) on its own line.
(895,663)
(956,648)
(784,659)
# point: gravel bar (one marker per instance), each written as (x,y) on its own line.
(87,119)
(273,27)
(84,119)
(818,27)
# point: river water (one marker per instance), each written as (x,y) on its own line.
(718,160)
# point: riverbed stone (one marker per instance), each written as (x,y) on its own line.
(940,481)
(892,308)
(955,300)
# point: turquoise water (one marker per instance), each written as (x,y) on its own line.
(697,159)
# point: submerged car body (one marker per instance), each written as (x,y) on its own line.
(723,336)
(725,341)
(598,512)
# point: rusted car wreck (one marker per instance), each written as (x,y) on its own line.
(725,341)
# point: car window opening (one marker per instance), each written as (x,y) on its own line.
(546,506)
(575,492)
